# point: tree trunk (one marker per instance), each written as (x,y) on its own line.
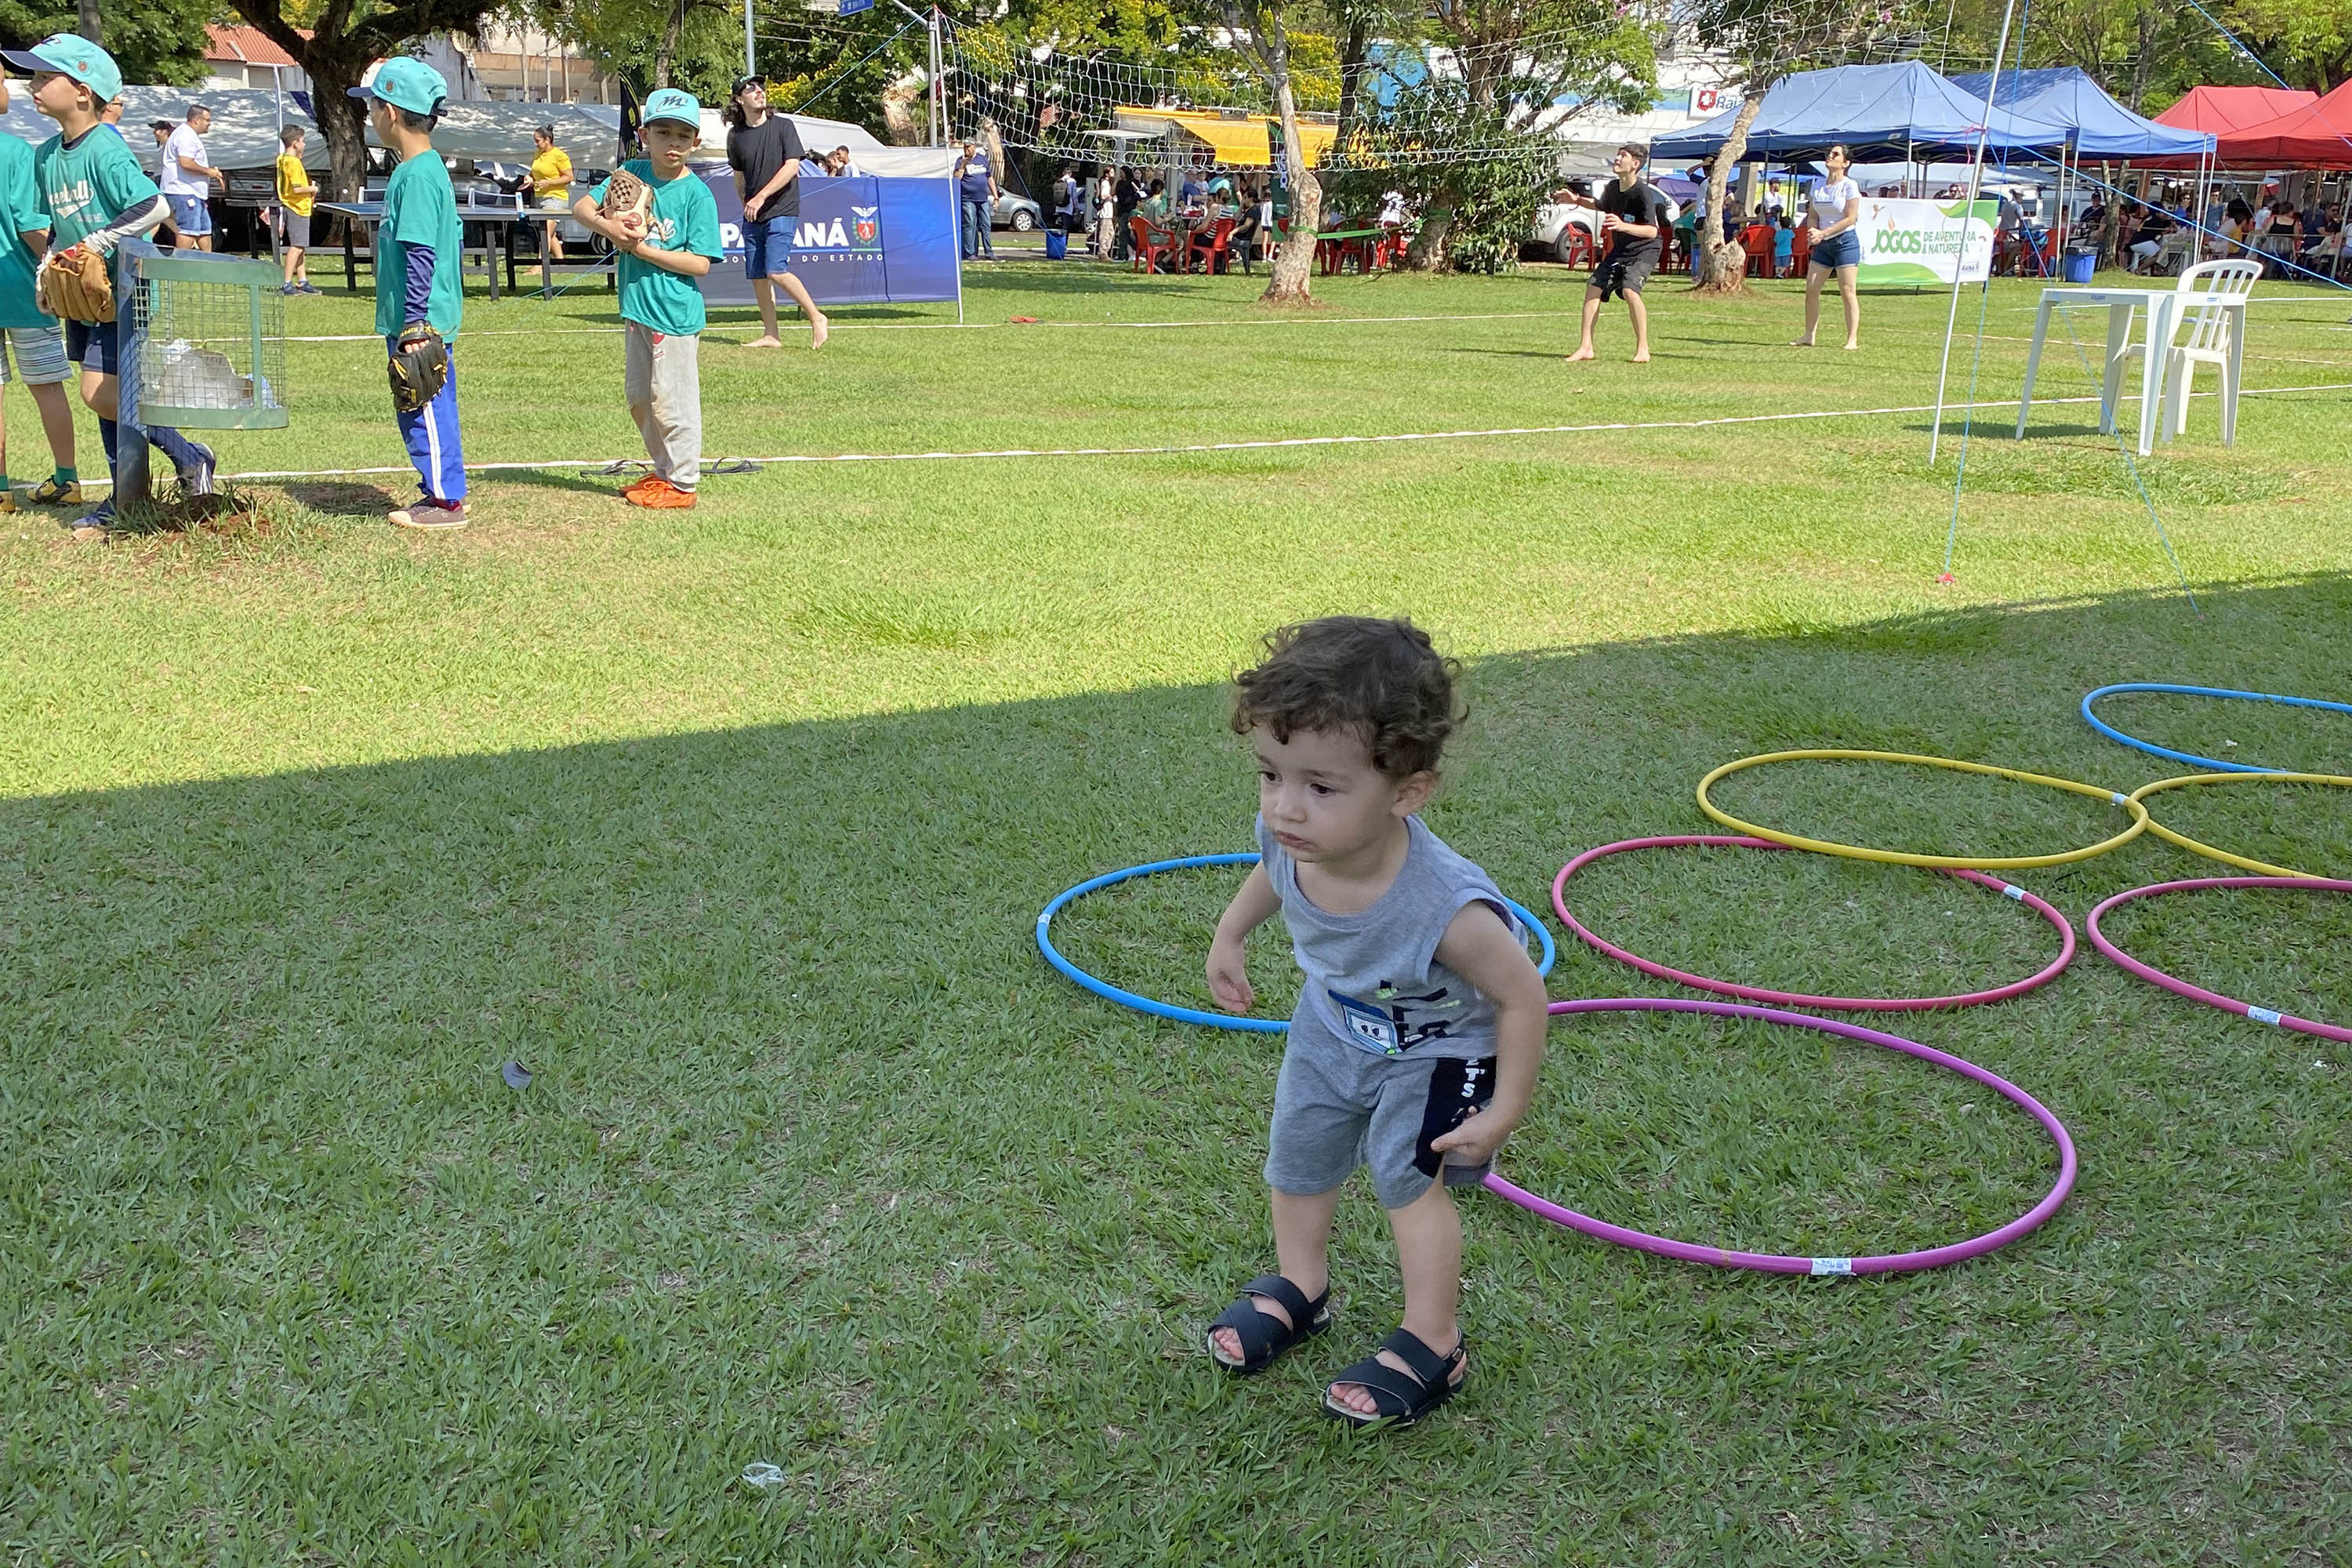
(334,73)
(899,100)
(90,24)
(1291,283)
(2146,54)
(1353,49)
(1725,270)
(1293,274)
(673,29)
(1427,253)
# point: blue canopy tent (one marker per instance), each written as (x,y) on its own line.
(1882,114)
(2063,95)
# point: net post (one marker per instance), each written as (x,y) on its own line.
(133,482)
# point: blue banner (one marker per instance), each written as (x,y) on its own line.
(857,241)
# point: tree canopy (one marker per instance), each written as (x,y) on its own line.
(157,41)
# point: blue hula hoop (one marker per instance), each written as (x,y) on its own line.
(1106,990)
(2214,763)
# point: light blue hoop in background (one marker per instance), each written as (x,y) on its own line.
(2214,763)
(1103,988)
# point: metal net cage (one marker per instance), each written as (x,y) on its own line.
(211,335)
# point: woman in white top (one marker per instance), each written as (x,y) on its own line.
(1836,221)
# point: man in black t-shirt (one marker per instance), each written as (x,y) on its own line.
(764,150)
(1634,217)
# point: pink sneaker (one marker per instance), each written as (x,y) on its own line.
(430,516)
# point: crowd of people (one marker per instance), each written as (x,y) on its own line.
(1097,206)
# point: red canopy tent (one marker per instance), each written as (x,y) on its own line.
(2316,136)
(2223,112)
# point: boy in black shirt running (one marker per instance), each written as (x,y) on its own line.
(1633,219)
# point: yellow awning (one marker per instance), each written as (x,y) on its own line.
(1239,143)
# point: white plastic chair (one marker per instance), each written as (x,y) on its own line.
(2209,342)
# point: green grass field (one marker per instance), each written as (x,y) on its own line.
(733,824)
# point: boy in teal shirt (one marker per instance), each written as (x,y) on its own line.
(663,250)
(35,343)
(419,283)
(96,197)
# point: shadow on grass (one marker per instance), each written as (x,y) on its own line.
(821,1166)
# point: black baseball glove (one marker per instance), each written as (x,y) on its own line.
(419,367)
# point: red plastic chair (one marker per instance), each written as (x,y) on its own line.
(1800,257)
(1155,248)
(1213,248)
(1757,242)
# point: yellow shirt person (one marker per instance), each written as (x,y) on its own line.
(294,190)
(550,176)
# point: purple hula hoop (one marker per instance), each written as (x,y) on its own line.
(2156,977)
(1777,1263)
(1791,998)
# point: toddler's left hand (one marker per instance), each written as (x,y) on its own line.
(1476,1140)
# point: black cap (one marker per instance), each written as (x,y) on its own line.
(740,83)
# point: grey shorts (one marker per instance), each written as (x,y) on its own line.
(297,229)
(1338,1106)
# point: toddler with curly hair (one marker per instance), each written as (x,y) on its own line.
(1414,1046)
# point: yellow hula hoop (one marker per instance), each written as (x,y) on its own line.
(2139,817)
(2259,867)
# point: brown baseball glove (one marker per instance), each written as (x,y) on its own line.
(626,197)
(75,283)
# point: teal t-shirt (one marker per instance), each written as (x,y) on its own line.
(21,212)
(683,217)
(84,185)
(419,209)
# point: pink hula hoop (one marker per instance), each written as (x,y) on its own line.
(2156,977)
(1778,1263)
(1794,999)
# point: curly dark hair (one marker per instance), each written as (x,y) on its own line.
(1382,678)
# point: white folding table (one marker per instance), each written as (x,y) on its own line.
(2162,310)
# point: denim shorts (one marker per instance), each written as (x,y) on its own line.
(190,215)
(767,245)
(1838,250)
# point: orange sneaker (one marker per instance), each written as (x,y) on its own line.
(658,494)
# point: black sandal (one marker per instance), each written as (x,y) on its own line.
(1265,1336)
(1402,1399)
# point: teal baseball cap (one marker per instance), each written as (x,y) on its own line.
(71,55)
(671,103)
(408,83)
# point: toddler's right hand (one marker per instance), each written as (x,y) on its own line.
(1229,977)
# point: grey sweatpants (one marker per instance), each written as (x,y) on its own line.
(666,400)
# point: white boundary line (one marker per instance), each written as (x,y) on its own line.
(1270,444)
(1000,326)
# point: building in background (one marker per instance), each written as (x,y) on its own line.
(239,58)
(512,63)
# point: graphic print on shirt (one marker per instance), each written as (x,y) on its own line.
(1405,1022)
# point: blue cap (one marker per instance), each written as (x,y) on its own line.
(670,103)
(71,55)
(408,83)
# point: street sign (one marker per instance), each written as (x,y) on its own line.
(851,7)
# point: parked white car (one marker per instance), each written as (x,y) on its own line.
(1553,220)
(1550,236)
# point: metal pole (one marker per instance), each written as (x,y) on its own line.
(1968,216)
(751,51)
(938,103)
